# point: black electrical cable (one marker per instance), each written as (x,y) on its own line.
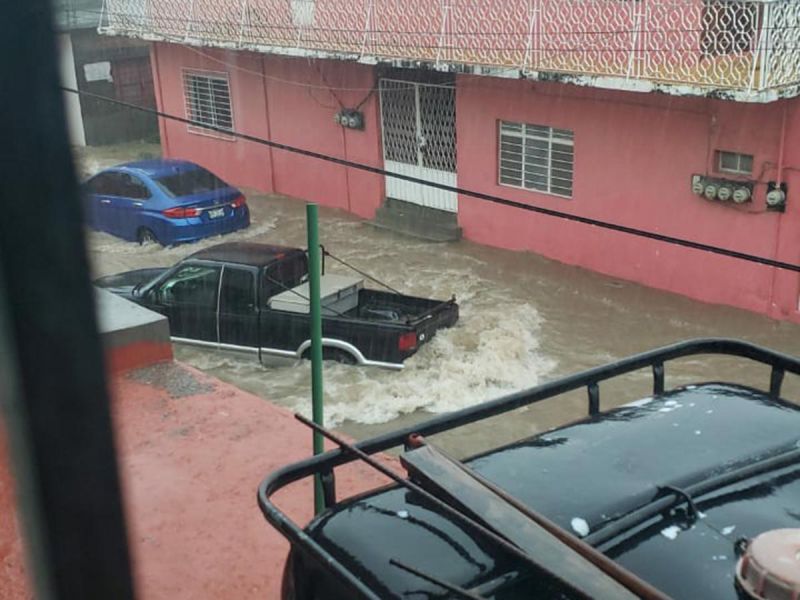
(449,188)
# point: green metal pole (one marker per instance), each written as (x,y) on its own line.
(314,273)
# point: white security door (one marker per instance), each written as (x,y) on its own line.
(419,140)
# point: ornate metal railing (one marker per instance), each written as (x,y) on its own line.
(750,45)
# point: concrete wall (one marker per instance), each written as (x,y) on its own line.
(72,102)
(285,100)
(104,122)
(634,157)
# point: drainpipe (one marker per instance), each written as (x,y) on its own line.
(778,180)
(159,94)
(346,171)
(269,125)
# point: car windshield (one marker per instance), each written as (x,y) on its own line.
(187,183)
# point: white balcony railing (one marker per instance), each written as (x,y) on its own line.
(744,45)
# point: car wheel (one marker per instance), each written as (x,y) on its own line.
(145,236)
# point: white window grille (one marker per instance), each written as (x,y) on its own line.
(733,162)
(208,101)
(536,157)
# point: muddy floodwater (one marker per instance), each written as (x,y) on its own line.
(524,320)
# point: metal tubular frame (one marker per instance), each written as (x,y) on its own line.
(590,379)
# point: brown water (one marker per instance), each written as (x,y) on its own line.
(524,320)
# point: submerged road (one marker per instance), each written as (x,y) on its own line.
(524,320)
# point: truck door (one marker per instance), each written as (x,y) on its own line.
(188,297)
(238,317)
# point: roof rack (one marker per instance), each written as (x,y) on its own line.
(324,464)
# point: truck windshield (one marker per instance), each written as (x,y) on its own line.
(187,183)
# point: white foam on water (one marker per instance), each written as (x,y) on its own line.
(104,243)
(492,350)
(483,357)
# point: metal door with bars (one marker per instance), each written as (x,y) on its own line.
(419,139)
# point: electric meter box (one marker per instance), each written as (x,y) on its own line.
(338,294)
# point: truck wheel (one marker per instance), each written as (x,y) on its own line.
(145,236)
(339,356)
(333,354)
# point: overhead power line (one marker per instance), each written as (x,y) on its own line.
(449,188)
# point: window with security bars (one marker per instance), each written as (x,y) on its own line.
(733,162)
(536,157)
(208,100)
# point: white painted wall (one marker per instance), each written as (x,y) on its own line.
(72,105)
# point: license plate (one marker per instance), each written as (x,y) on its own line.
(216,213)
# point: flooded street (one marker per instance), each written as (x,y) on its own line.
(524,320)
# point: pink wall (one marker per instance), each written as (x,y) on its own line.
(301,113)
(285,100)
(634,157)
(242,163)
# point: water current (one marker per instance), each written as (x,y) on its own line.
(524,320)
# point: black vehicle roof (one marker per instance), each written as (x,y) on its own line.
(587,475)
(245,253)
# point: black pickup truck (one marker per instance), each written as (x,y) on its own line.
(254,298)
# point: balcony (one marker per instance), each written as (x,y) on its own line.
(740,49)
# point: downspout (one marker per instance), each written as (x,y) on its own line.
(778,180)
(346,171)
(269,126)
(157,89)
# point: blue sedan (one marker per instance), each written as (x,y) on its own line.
(164,201)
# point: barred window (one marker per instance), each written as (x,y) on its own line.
(733,162)
(536,157)
(208,100)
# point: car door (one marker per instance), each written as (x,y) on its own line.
(128,207)
(238,316)
(98,200)
(189,298)
(124,204)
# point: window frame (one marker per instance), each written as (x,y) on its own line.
(551,140)
(224,306)
(186,74)
(738,171)
(132,182)
(156,292)
(92,183)
(266,280)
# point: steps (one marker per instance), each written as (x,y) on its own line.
(418,221)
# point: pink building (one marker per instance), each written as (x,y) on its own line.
(679,117)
